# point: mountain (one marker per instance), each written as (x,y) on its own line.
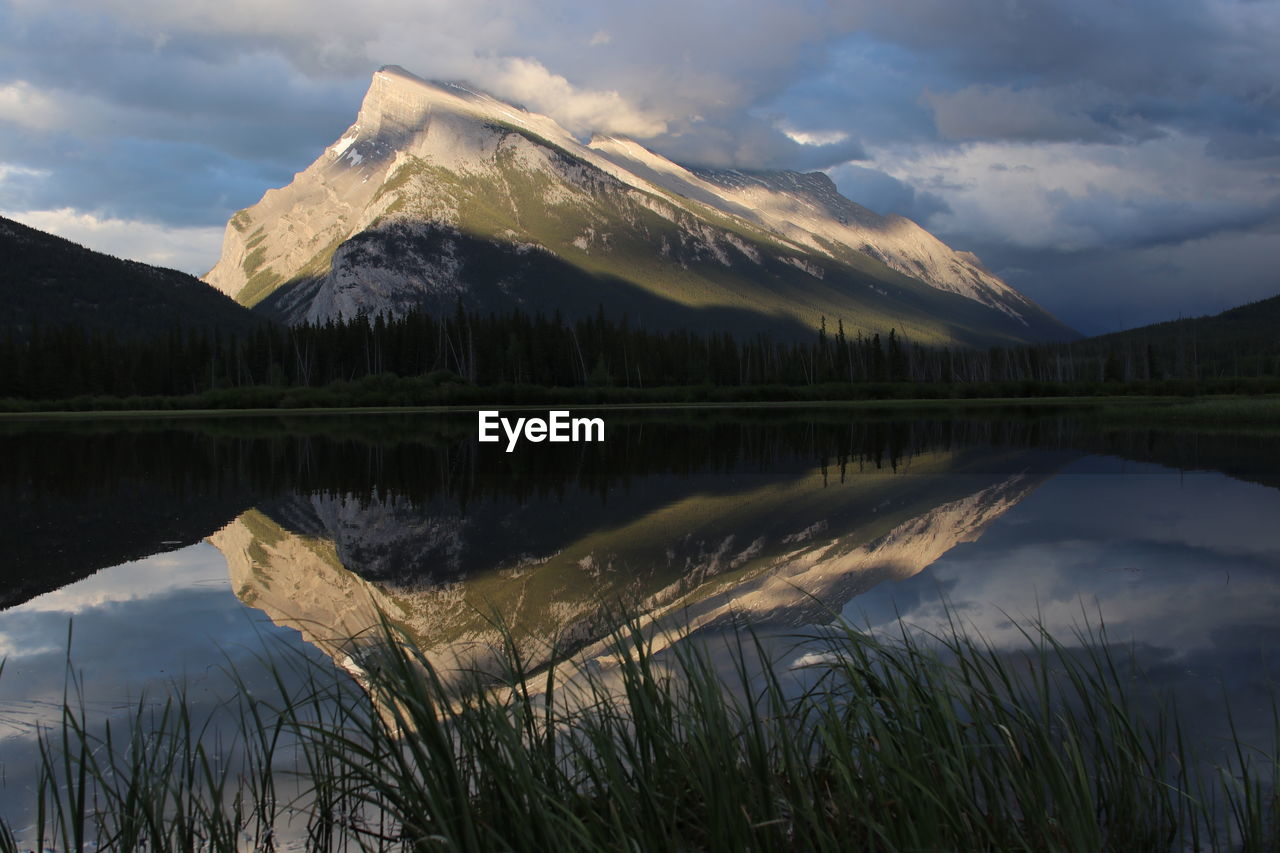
(47,281)
(1239,342)
(1255,321)
(438,194)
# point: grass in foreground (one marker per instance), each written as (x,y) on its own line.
(902,744)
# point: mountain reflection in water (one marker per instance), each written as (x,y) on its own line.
(783,549)
(692,517)
(81,496)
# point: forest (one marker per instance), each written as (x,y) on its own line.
(539,351)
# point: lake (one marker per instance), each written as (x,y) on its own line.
(144,555)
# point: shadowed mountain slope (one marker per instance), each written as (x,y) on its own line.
(47,281)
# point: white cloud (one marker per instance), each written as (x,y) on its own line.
(488,44)
(529,81)
(813,137)
(190,249)
(14,647)
(665,61)
(9,169)
(1074,196)
(26,106)
(54,110)
(196,566)
(1169,558)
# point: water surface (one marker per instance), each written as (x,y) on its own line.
(175,549)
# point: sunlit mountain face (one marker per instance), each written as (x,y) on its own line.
(438,194)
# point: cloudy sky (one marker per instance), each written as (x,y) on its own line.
(1117,160)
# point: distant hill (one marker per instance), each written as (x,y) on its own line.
(47,281)
(438,194)
(1243,341)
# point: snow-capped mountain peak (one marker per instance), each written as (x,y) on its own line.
(438,192)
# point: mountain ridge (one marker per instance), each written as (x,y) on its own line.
(1249,318)
(1240,341)
(438,193)
(49,281)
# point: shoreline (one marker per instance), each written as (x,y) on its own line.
(66,410)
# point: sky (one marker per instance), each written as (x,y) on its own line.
(1116,160)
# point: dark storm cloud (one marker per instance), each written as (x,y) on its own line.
(752,143)
(271,85)
(886,194)
(1072,114)
(1150,220)
(1102,79)
(1173,49)
(1108,289)
(870,88)
(252,106)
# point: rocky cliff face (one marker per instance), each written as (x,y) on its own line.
(437,193)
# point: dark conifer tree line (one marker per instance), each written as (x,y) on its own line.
(552,351)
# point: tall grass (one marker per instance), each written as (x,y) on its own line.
(904,743)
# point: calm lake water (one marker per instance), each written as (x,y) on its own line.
(151,554)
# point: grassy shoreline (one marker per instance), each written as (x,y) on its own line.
(897,743)
(386,392)
(1173,409)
